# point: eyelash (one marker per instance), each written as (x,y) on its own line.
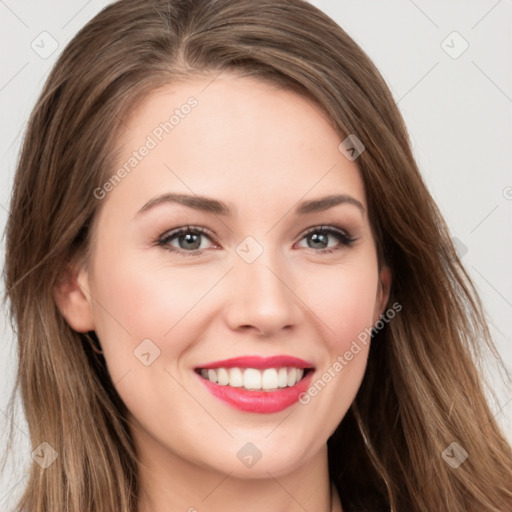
(345,239)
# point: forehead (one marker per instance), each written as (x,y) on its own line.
(239,139)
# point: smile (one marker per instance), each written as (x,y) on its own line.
(254,379)
(257,384)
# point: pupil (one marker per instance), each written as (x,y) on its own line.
(320,238)
(191,239)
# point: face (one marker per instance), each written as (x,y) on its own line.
(215,272)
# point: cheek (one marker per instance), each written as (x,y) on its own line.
(343,298)
(137,302)
(345,307)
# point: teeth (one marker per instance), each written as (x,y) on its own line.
(254,379)
(236,378)
(282,378)
(222,376)
(269,379)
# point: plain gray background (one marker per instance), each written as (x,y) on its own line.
(449,67)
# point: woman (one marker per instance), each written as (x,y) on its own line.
(230,284)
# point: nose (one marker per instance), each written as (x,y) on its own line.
(261,298)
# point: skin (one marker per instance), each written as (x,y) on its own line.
(261,150)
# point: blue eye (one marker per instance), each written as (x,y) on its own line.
(187,240)
(319,237)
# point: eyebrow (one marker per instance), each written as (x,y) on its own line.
(216,207)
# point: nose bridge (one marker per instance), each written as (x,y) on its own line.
(261,295)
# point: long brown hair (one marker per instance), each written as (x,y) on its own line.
(423,388)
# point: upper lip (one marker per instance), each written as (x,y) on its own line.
(258,362)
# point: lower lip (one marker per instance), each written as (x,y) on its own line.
(263,402)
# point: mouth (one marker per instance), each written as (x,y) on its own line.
(257,384)
(253,379)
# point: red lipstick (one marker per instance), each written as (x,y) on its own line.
(258,401)
(259,362)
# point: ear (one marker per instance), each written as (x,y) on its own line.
(73,299)
(382,292)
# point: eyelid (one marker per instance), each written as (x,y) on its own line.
(185,228)
(326,228)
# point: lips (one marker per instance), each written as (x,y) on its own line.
(259,362)
(257,384)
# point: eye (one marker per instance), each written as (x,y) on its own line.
(319,238)
(187,239)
